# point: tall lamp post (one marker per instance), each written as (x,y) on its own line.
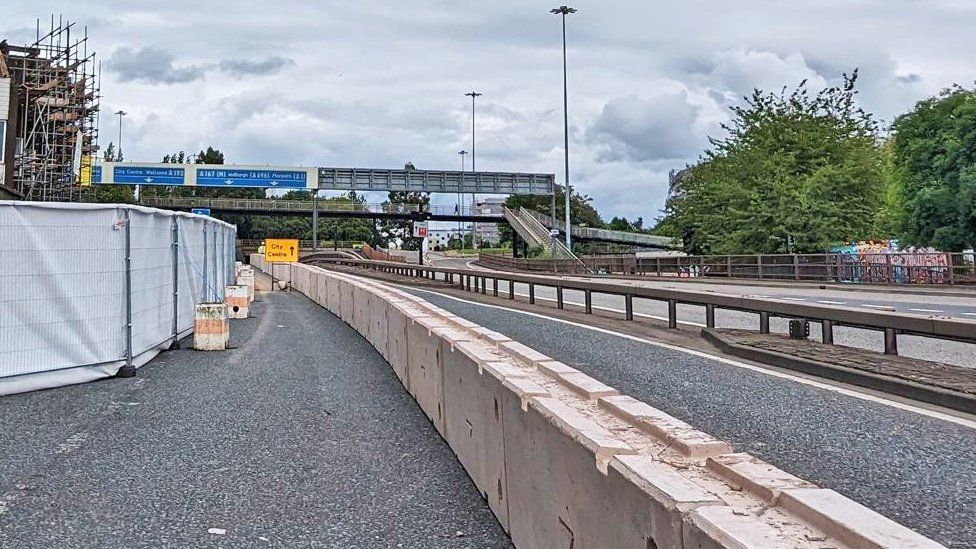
(460,201)
(474,197)
(118,154)
(564,11)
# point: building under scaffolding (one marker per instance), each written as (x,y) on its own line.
(48,114)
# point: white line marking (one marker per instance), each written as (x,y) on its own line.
(828,302)
(970,314)
(793,298)
(882,307)
(782,375)
(927,310)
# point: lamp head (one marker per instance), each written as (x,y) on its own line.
(564,10)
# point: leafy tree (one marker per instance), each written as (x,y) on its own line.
(400,230)
(935,156)
(794,167)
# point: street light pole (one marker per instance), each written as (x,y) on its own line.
(118,153)
(474,197)
(563,11)
(460,201)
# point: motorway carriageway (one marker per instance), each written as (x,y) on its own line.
(950,352)
(912,464)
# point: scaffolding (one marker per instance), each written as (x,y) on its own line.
(54,96)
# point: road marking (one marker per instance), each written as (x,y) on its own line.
(927,310)
(881,307)
(782,375)
(828,302)
(970,314)
(794,298)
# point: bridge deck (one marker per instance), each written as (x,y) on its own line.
(301,436)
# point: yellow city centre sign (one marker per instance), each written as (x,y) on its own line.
(280,250)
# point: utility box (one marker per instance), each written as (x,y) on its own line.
(799,328)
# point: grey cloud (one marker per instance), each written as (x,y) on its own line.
(255,67)
(635,129)
(151,66)
(909,78)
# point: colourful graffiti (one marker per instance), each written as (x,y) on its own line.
(886,262)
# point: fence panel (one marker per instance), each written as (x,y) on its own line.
(66,296)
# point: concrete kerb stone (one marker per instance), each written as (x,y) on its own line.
(647,494)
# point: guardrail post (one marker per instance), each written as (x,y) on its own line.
(890,341)
(176,283)
(559,297)
(128,370)
(511,289)
(588,301)
(531,293)
(494,287)
(629,307)
(484,285)
(672,314)
(709,316)
(827,326)
(764,322)
(759,265)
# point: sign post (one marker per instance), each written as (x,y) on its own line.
(279,250)
(420,231)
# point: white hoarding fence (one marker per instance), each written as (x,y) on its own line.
(87,290)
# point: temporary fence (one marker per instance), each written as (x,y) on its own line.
(88,289)
(868,268)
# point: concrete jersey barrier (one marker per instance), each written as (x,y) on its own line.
(566,461)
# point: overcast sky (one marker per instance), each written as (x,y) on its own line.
(363,83)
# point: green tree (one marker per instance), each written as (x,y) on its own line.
(935,158)
(796,171)
(401,230)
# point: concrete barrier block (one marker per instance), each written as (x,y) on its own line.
(211,329)
(850,522)
(424,368)
(662,497)
(525,389)
(246,279)
(586,386)
(681,436)
(754,475)
(346,301)
(238,305)
(524,353)
(554,368)
(491,337)
(594,437)
(717,527)
(473,427)
(501,370)
(475,349)
(396,354)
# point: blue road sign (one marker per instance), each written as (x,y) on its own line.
(96,174)
(149,176)
(252,178)
(201,211)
